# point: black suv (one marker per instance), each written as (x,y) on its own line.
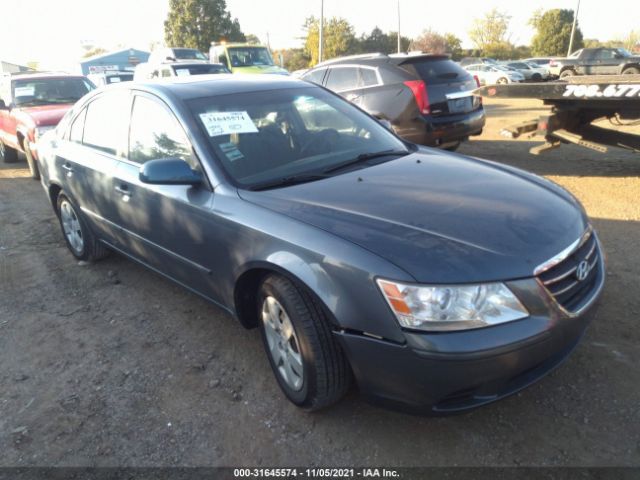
(427,98)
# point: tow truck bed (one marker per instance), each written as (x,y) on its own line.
(576,104)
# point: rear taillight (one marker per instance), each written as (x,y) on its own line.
(419,89)
(553,63)
(475,77)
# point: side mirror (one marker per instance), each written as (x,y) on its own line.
(169,171)
(170,59)
(3,106)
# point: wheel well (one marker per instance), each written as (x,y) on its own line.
(631,65)
(20,137)
(54,191)
(246,295)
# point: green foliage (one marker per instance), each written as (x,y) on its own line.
(253,39)
(490,34)
(339,38)
(292,58)
(92,50)
(197,23)
(553,31)
(378,41)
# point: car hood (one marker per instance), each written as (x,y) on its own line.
(442,218)
(45,115)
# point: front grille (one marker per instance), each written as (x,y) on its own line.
(562,280)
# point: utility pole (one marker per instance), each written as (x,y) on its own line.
(399,37)
(321,29)
(573,29)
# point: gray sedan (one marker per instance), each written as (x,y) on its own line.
(438,282)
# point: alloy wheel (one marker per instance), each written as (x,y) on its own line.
(71,226)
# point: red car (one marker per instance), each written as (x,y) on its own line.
(30,105)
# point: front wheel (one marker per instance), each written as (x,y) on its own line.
(308,364)
(77,234)
(631,71)
(567,73)
(502,81)
(33,165)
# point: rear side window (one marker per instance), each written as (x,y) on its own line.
(106,123)
(77,127)
(368,77)
(156,134)
(437,71)
(342,78)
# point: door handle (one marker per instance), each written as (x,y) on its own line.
(123,190)
(67,166)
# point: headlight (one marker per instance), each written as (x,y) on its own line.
(40,131)
(449,307)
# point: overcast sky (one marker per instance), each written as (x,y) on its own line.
(51,31)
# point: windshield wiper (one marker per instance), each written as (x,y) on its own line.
(365,157)
(288,181)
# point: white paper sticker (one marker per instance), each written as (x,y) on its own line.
(115,79)
(225,123)
(24,91)
(182,72)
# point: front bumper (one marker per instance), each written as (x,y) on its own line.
(452,372)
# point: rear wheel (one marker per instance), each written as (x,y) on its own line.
(567,73)
(8,154)
(33,165)
(77,234)
(536,77)
(631,71)
(309,365)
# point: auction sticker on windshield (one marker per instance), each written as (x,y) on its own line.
(226,123)
(24,91)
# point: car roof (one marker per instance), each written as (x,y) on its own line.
(198,86)
(381,58)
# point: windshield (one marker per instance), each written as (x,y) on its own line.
(188,54)
(204,69)
(122,77)
(624,52)
(46,91)
(249,56)
(262,137)
(437,71)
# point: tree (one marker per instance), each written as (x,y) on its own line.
(196,23)
(433,42)
(91,50)
(592,43)
(632,41)
(254,39)
(553,32)
(292,58)
(378,41)
(339,38)
(490,34)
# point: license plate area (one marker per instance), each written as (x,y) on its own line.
(460,105)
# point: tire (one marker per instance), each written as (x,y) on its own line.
(33,165)
(453,148)
(76,232)
(8,154)
(536,77)
(502,81)
(631,71)
(316,373)
(567,73)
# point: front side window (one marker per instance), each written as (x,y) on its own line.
(155,134)
(315,76)
(106,123)
(261,137)
(188,54)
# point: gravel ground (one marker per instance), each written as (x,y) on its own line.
(108,364)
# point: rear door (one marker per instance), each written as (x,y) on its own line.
(449,86)
(87,158)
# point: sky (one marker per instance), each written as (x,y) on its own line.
(56,29)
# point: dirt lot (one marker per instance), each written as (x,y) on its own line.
(109,365)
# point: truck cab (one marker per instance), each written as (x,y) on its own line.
(245,58)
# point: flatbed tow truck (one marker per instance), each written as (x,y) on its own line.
(575,104)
